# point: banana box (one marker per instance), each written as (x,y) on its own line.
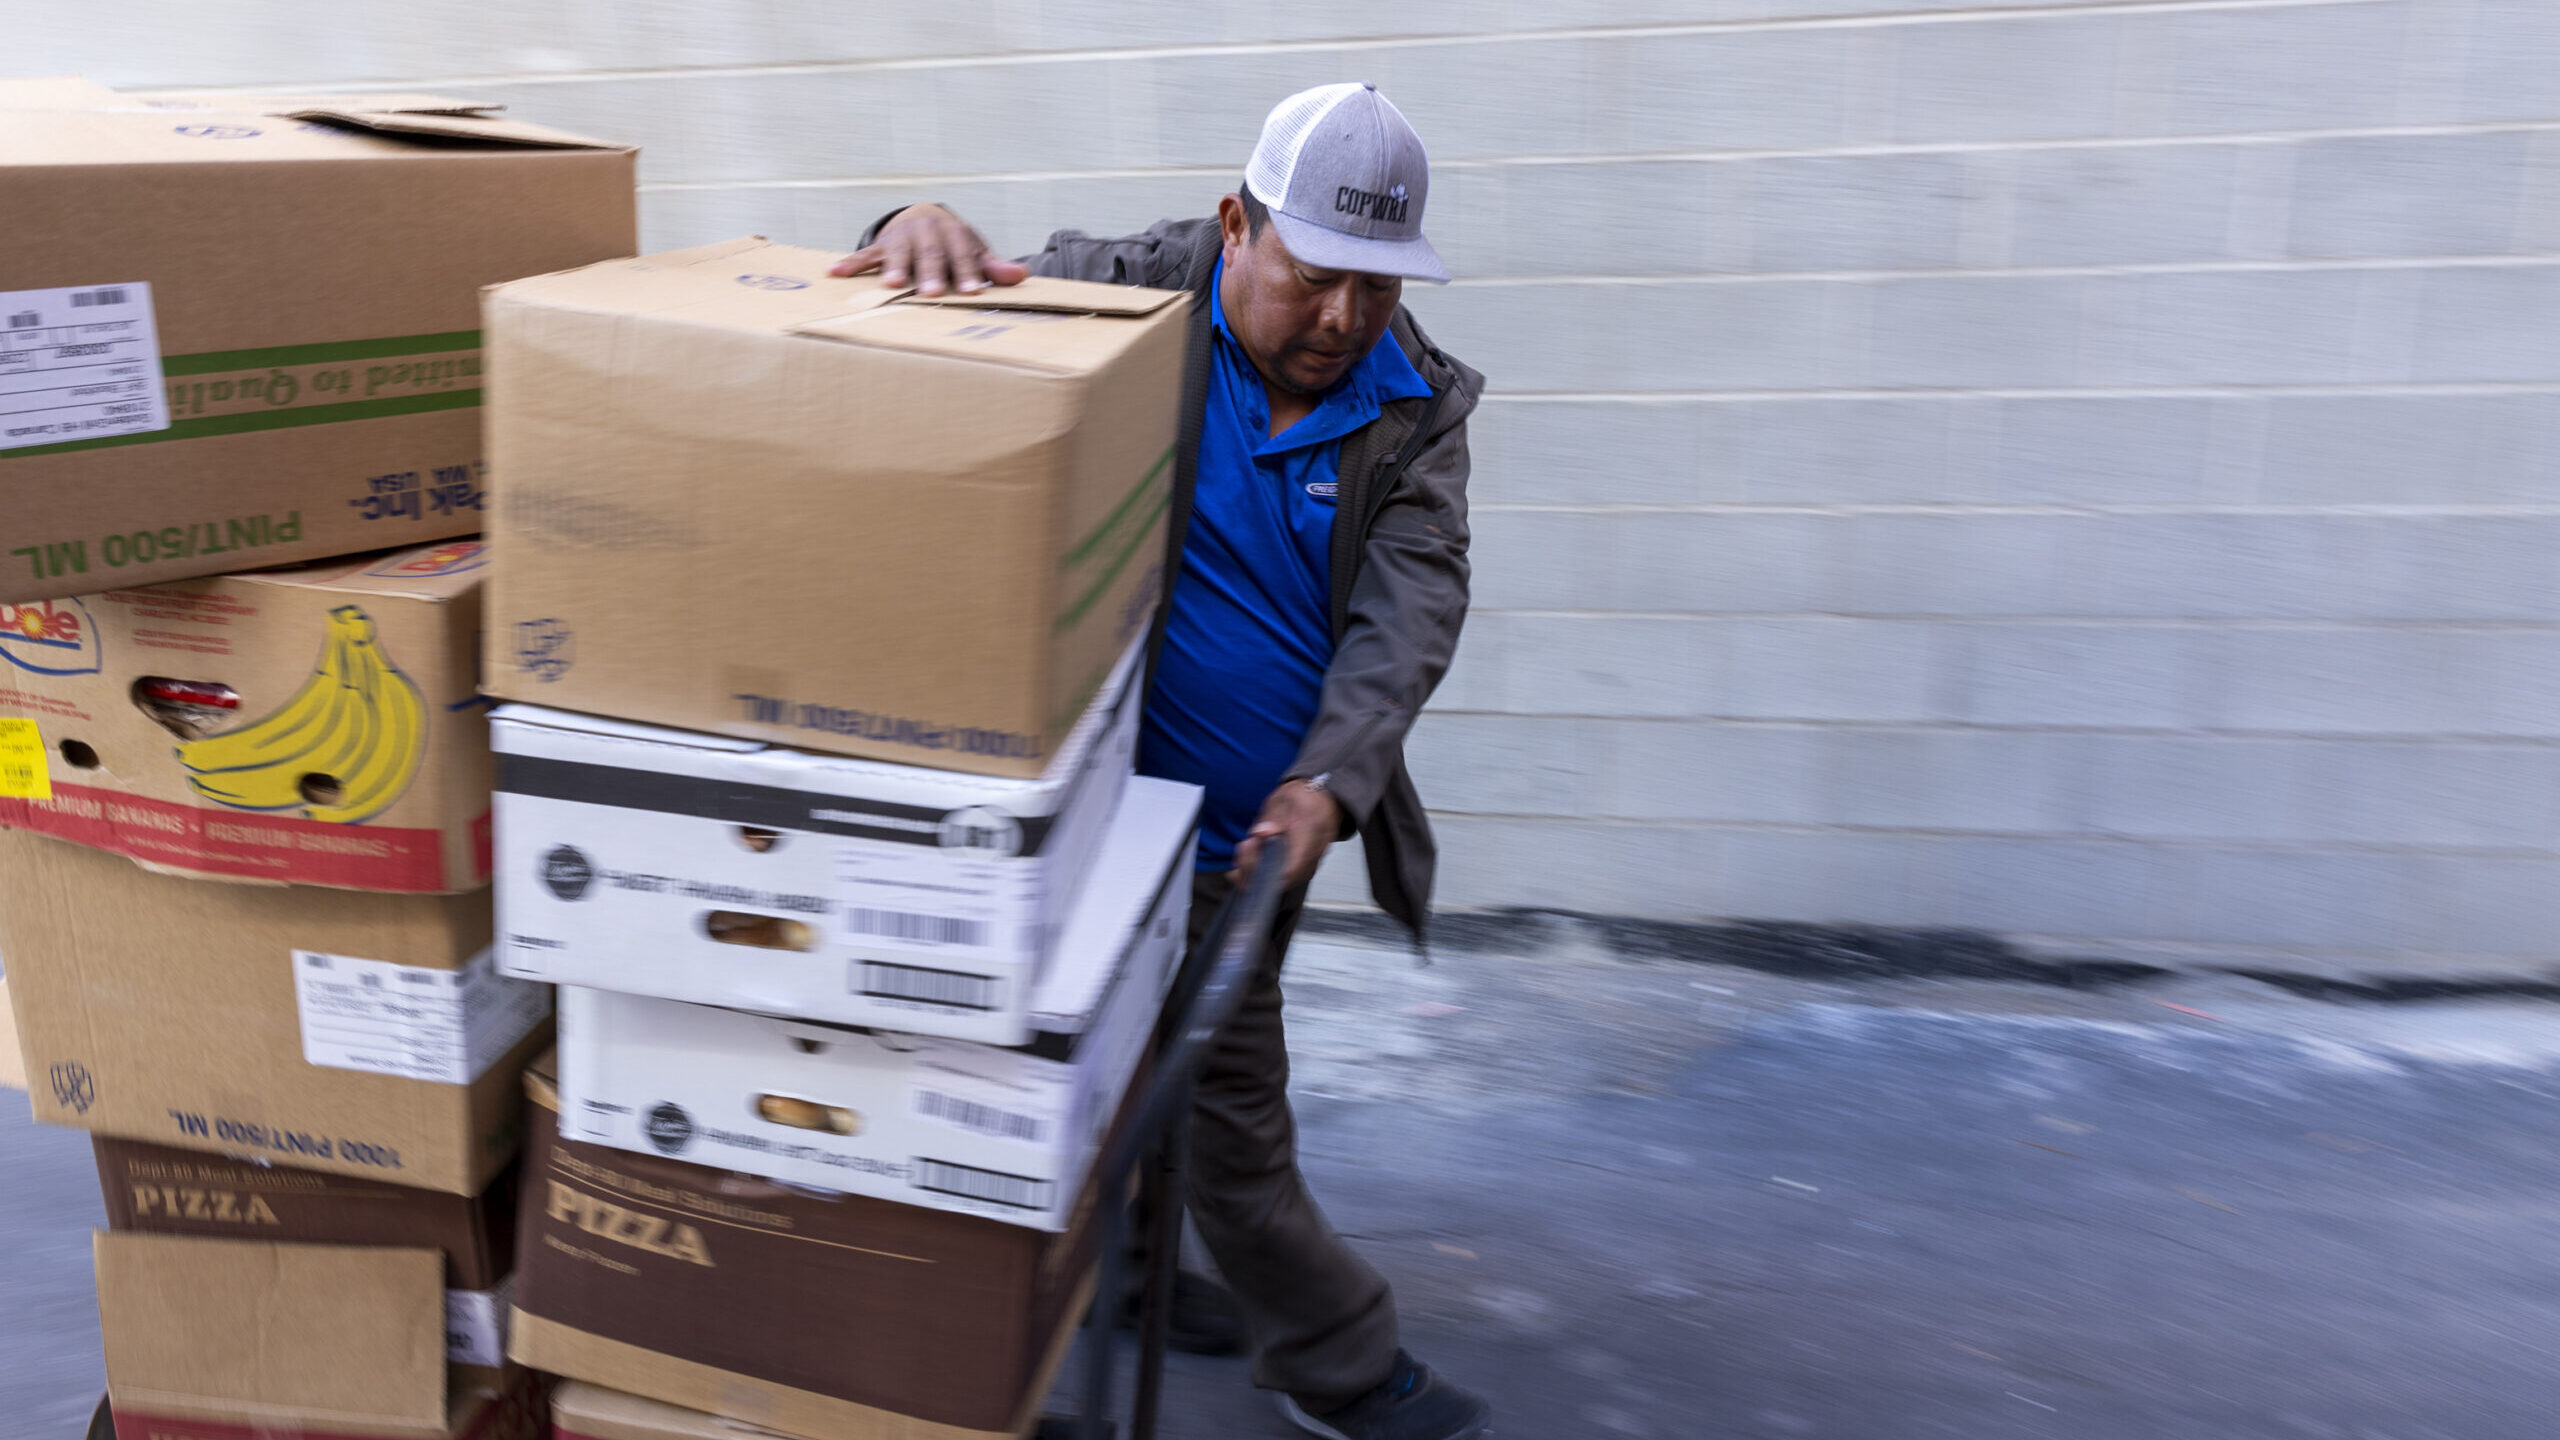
(1003,1132)
(727,872)
(311,726)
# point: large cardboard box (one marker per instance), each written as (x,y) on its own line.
(240,331)
(319,725)
(259,1340)
(1005,1132)
(162,1190)
(745,498)
(818,1315)
(642,859)
(355,1033)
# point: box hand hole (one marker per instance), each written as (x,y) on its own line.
(762,932)
(809,1115)
(319,789)
(759,839)
(78,754)
(188,709)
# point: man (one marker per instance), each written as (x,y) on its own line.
(1318,542)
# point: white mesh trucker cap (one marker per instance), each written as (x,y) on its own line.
(1344,177)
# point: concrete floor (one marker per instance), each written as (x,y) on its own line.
(1654,1198)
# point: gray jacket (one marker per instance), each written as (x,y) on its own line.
(1399,555)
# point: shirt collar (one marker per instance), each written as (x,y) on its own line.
(1355,400)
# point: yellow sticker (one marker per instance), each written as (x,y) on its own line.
(22,771)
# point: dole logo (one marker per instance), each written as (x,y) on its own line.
(50,637)
(450,559)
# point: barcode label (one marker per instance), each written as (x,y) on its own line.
(995,1187)
(929,987)
(912,925)
(979,1119)
(79,364)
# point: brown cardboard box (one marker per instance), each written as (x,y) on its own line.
(843,1318)
(748,499)
(248,1340)
(163,1190)
(355,1033)
(345,744)
(580,1411)
(304,275)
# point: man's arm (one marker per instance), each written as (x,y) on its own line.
(935,250)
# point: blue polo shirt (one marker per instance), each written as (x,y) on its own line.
(1251,628)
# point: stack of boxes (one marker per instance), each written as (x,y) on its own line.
(818,610)
(244,902)
(818,613)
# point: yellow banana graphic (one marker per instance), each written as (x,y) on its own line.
(396,743)
(341,749)
(263,769)
(296,726)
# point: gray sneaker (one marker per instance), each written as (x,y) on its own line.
(1413,1404)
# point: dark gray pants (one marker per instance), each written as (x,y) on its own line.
(1322,1321)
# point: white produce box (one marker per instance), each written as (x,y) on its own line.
(1005,1132)
(728,872)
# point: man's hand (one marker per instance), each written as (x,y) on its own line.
(1309,817)
(934,250)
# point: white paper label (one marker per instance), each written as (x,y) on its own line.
(926,900)
(475,1324)
(446,1026)
(79,364)
(978,1117)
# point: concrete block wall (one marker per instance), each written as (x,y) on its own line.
(2074,468)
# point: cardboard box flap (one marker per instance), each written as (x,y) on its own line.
(449,125)
(1069,327)
(333,1335)
(1044,295)
(748,284)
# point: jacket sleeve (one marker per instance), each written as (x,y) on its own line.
(1153,258)
(1406,609)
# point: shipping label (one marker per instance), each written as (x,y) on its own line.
(442,1026)
(915,900)
(475,1324)
(79,364)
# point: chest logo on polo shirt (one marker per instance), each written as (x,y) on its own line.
(1324,489)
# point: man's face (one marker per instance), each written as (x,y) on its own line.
(1304,328)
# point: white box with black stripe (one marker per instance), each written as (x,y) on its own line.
(1007,1132)
(728,872)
